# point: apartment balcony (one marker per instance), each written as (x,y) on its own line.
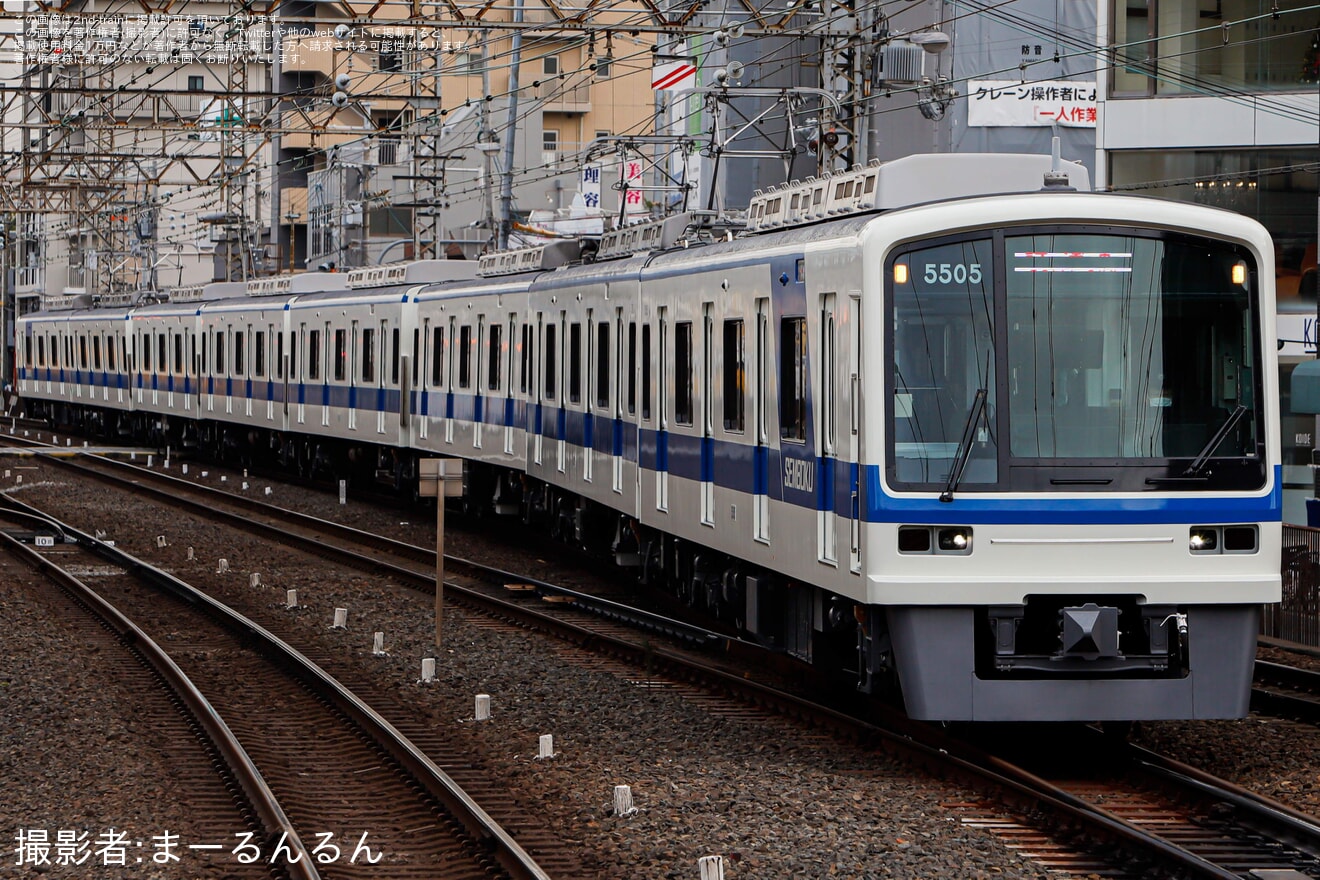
(558,96)
(29,279)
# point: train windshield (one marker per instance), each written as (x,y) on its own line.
(1110,361)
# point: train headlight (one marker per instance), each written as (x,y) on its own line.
(1203,540)
(900,273)
(956,540)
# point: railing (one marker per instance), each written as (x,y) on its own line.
(1297,617)
(560,97)
(29,278)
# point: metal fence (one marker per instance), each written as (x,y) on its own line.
(1297,617)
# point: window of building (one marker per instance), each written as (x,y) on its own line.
(550,65)
(196,83)
(1175,47)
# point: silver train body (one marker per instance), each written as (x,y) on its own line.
(1015,455)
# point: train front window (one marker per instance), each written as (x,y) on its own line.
(1123,347)
(943,348)
(1074,359)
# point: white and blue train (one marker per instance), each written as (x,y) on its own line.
(1012,449)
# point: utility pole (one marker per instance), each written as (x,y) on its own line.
(510,130)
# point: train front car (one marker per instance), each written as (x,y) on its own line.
(1075,510)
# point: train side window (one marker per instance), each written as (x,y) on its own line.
(259,354)
(632,368)
(368,354)
(646,372)
(240,353)
(493,361)
(793,379)
(341,354)
(603,364)
(464,356)
(110,354)
(550,358)
(314,355)
(735,377)
(683,372)
(575,362)
(437,357)
(394,343)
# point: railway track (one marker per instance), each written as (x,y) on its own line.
(1286,691)
(332,788)
(1116,828)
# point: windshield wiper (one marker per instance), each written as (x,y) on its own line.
(1194,469)
(964,446)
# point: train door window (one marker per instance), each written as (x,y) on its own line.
(294,371)
(550,361)
(575,362)
(478,348)
(632,368)
(279,353)
(394,364)
(54,353)
(162,354)
(314,355)
(259,354)
(416,352)
(735,377)
(465,356)
(178,353)
(82,351)
(41,351)
(683,372)
(240,352)
(603,364)
(493,358)
(145,341)
(219,352)
(646,372)
(202,362)
(96,353)
(27,351)
(341,354)
(792,379)
(368,354)
(524,375)
(438,357)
